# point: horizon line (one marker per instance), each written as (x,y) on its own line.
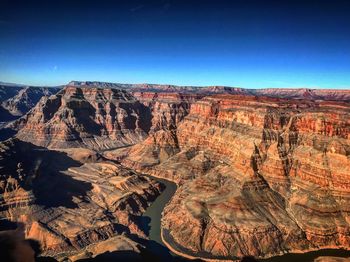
(176,85)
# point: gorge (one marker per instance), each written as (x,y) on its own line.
(258,173)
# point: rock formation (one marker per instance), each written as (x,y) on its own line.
(26,99)
(259,172)
(67,205)
(258,176)
(92,117)
(289,93)
(16,100)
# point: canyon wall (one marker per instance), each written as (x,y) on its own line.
(91,117)
(258,175)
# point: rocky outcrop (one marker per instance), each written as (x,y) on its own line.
(205,90)
(16,100)
(168,110)
(258,177)
(26,99)
(305,93)
(90,117)
(67,205)
(8,90)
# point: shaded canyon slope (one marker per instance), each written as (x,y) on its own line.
(73,208)
(257,175)
(17,100)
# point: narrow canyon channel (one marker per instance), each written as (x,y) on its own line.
(151,222)
(152,217)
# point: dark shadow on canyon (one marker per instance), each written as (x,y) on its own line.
(131,256)
(39,169)
(308,256)
(144,222)
(6,133)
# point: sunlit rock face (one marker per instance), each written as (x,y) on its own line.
(91,117)
(258,176)
(305,93)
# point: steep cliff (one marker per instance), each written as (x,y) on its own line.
(258,176)
(16,100)
(91,117)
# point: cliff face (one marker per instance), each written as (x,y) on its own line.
(26,99)
(305,93)
(18,100)
(92,117)
(168,110)
(258,176)
(67,205)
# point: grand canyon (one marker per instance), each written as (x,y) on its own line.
(93,170)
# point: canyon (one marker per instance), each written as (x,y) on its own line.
(17,100)
(259,173)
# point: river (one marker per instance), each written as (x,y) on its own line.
(154,212)
(152,222)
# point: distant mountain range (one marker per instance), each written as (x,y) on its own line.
(294,93)
(18,99)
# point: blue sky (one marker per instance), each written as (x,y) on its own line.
(249,43)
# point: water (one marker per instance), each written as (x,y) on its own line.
(152,217)
(151,222)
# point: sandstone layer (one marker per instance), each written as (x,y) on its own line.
(258,176)
(289,93)
(92,117)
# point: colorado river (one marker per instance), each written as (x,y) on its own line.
(151,222)
(154,212)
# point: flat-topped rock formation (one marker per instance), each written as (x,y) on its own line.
(289,93)
(305,93)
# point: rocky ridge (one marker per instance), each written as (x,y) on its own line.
(288,93)
(259,176)
(96,118)
(17,100)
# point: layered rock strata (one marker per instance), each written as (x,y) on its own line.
(66,205)
(258,177)
(16,100)
(288,93)
(90,117)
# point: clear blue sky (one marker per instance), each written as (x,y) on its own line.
(250,43)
